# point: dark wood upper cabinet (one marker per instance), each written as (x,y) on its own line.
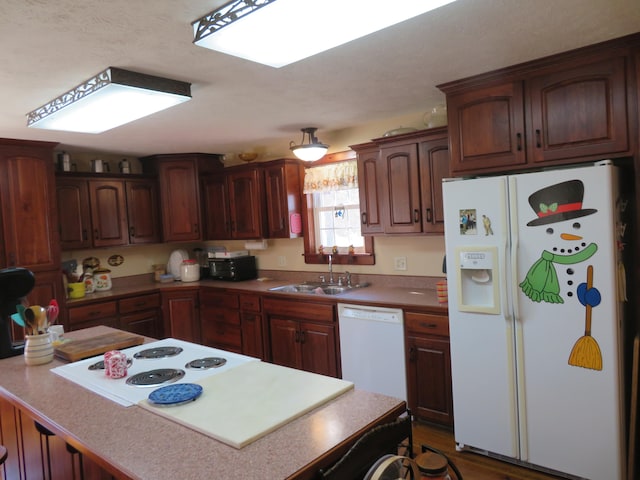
(369,189)
(568,108)
(246,203)
(108,213)
(283,180)
(487,127)
(74,213)
(28,233)
(400,182)
(579,112)
(142,211)
(178,180)
(216,207)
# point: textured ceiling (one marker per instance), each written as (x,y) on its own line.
(48,47)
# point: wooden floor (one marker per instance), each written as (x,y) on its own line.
(472,466)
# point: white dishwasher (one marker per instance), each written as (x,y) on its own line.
(372,349)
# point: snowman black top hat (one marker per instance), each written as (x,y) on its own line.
(559,202)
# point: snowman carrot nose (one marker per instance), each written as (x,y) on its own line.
(569,236)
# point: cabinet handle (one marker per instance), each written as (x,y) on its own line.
(412,354)
(538,144)
(296,337)
(96,234)
(428,325)
(132,231)
(302,337)
(84,234)
(364,218)
(282,224)
(196,228)
(519,142)
(428,215)
(416,215)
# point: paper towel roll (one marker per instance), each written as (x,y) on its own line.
(256,245)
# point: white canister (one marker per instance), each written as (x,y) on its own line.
(102,279)
(189,271)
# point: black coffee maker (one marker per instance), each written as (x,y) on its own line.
(15,283)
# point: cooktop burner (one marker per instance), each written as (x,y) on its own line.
(100,365)
(158,352)
(156,377)
(206,363)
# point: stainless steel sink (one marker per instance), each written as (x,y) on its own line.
(312,288)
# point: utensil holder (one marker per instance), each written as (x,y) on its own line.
(38,349)
(76,289)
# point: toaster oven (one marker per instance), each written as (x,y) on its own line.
(233,269)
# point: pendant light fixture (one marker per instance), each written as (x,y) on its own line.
(110,99)
(311,151)
(280,32)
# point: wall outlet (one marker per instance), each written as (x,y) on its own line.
(282,261)
(400,263)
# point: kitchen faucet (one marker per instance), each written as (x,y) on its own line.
(330,268)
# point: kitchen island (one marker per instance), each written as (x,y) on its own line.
(133,443)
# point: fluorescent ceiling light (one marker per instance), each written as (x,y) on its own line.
(110,99)
(280,32)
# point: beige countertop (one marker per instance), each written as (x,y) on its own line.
(376,293)
(121,437)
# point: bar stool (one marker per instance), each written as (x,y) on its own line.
(45,433)
(3,457)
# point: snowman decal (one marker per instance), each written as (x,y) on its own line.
(555,204)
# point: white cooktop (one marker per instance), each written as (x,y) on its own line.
(124,394)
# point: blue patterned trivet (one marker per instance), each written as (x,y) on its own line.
(175,394)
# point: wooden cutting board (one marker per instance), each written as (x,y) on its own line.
(75,350)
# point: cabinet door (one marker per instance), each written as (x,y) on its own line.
(29,214)
(369,189)
(251,325)
(142,211)
(283,188)
(180,200)
(74,215)
(486,128)
(434,166)
(579,112)
(145,323)
(108,213)
(429,375)
(285,345)
(246,204)
(216,207)
(180,314)
(401,188)
(318,348)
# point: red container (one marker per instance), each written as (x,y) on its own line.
(115,364)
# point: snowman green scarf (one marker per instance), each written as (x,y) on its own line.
(541,283)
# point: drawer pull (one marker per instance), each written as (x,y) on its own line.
(429,325)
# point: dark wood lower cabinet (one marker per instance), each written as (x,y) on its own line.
(27,451)
(180,313)
(429,367)
(302,335)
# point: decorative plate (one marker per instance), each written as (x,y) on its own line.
(175,394)
(115,260)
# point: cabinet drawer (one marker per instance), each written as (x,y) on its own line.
(142,302)
(216,298)
(92,312)
(300,310)
(249,303)
(219,315)
(427,324)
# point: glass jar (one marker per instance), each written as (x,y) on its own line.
(433,466)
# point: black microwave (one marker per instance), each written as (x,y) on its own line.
(233,269)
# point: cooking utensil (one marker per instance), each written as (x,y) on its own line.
(31,322)
(16,317)
(53,310)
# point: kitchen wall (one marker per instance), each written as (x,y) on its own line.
(423,253)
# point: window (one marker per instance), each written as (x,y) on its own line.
(333,213)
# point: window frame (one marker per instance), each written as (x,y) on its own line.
(311,254)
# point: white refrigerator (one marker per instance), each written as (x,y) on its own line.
(536,286)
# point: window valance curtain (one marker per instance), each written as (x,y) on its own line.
(335,176)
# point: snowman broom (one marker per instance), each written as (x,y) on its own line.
(586,352)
